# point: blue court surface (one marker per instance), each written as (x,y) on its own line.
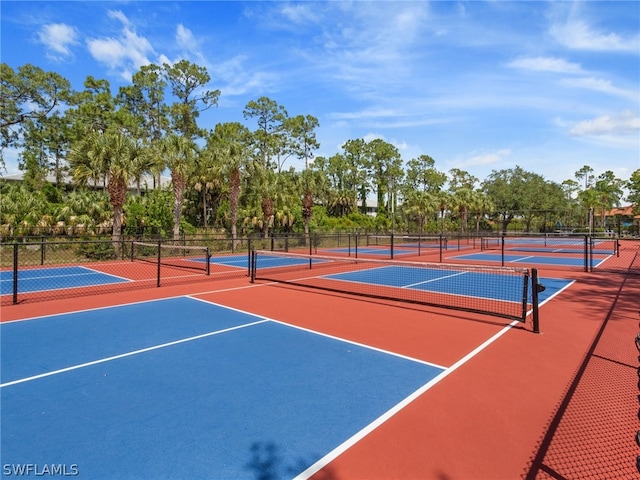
(384,251)
(485,285)
(181,388)
(42,279)
(529,259)
(242,261)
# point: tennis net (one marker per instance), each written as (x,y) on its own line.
(499,291)
(190,257)
(410,245)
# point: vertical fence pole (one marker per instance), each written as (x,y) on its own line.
(42,250)
(15,273)
(159,258)
(391,245)
(249,250)
(502,250)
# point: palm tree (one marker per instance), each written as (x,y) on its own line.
(419,204)
(229,144)
(465,199)
(444,200)
(179,154)
(113,156)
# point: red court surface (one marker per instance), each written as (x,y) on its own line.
(514,404)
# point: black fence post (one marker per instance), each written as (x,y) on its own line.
(249,253)
(15,273)
(391,245)
(159,259)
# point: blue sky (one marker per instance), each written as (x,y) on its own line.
(480,86)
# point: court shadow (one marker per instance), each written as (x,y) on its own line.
(268,463)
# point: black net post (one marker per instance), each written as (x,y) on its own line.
(502,250)
(536,288)
(252,266)
(525,296)
(15,273)
(159,260)
(208,260)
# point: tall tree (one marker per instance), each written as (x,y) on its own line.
(229,145)
(585,174)
(46,142)
(633,185)
(302,144)
(386,170)
(609,192)
(187,82)
(145,102)
(507,191)
(179,154)
(353,166)
(461,179)
(114,156)
(268,137)
(93,109)
(422,175)
(29,93)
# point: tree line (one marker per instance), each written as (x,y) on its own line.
(239,179)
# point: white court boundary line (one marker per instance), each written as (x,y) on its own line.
(129,354)
(332,455)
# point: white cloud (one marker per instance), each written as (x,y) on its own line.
(58,38)
(577,34)
(546,64)
(233,77)
(600,85)
(364,114)
(486,158)
(624,123)
(125,53)
(299,13)
(189,47)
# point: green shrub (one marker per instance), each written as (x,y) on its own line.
(97,250)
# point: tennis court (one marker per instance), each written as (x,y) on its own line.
(189,384)
(43,279)
(534,259)
(311,371)
(47,280)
